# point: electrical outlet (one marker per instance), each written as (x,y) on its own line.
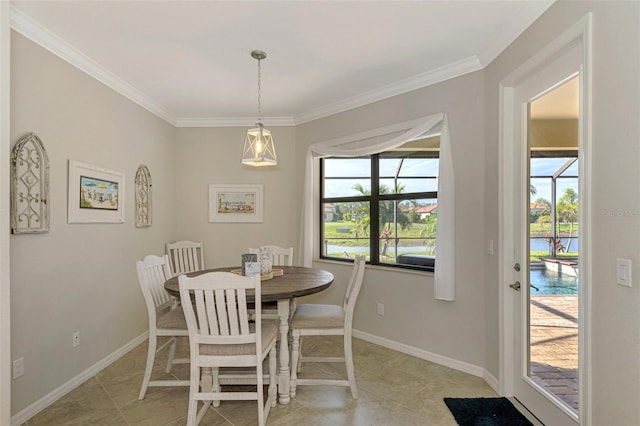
(18,367)
(381,309)
(76,339)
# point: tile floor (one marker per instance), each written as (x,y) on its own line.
(395,389)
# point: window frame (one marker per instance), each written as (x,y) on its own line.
(374,200)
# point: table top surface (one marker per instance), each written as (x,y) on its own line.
(295,282)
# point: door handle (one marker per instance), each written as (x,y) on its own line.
(515,286)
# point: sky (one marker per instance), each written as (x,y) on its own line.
(358,170)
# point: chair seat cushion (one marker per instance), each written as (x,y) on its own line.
(318,316)
(269,332)
(172,320)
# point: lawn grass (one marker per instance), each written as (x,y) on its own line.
(331,231)
(540,229)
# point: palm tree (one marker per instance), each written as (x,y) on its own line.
(567,211)
(389,213)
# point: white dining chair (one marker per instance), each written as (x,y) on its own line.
(185,257)
(221,335)
(327,320)
(280,256)
(165,318)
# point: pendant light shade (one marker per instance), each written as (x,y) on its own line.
(259,149)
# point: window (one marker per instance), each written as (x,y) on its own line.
(383,205)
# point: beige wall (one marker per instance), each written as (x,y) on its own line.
(412,316)
(81,277)
(212,156)
(615,203)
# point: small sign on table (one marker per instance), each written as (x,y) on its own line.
(250,265)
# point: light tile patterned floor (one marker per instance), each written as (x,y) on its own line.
(395,389)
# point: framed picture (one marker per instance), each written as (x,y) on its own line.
(235,203)
(96,195)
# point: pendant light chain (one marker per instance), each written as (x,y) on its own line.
(259,98)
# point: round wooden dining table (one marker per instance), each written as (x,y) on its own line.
(296,281)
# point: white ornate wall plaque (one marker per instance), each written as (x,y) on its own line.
(29,186)
(143,197)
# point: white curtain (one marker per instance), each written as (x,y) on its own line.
(383,139)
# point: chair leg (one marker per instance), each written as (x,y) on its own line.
(299,366)
(295,354)
(260,392)
(172,354)
(194,387)
(193,411)
(273,376)
(348,359)
(215,371)
(151,356)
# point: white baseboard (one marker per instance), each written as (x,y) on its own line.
(33,409)
(465,367)
(492,381)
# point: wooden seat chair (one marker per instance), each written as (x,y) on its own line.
(165,319)
(327,320)
(185,257)
(220,335)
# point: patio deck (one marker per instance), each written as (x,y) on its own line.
(554,345)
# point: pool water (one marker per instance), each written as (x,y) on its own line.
(552,283)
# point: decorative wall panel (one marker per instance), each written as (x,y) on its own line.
(143,197)
(29,186)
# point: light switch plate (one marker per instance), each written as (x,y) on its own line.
(623,272)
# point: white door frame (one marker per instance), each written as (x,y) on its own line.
(5,327)
(581,31)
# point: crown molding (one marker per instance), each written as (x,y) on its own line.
(28,27)
(232,121)
(25,25)
(446,72)
(513,28)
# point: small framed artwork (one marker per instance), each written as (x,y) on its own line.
(96,194)
(235,203)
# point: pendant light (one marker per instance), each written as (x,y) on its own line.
(258,144)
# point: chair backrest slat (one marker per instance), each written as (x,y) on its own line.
(280,256)
(152,272)
(221,315)
(185,257)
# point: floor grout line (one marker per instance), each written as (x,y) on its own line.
(112,400)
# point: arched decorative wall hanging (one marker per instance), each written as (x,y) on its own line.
(143,197)
(29,186)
